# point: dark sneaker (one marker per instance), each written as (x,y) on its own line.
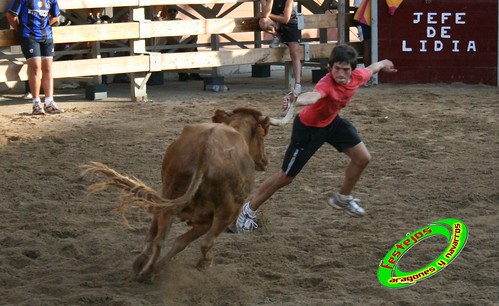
(53,109)
(351,206)
(196,77)
(183,77)
(245,222)
(37,110)
(276,42)
(369,83)
(93,20)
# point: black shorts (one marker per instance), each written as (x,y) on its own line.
(306,140)
(366,31)
(37,47)
(290,33)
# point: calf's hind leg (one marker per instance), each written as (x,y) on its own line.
(142,259)
(161,229)
(183,241)
(221,220)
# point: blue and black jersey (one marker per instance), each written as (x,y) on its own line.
(34,17)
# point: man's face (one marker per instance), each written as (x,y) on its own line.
(342,73)
(171,14)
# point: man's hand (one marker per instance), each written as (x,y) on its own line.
(388,66)
(384,65)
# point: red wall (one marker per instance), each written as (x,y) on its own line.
(462,48)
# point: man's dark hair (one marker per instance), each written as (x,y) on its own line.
(171,8)
(343,54)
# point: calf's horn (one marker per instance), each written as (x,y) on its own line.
(287,118)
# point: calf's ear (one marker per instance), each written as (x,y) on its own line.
(264,124)
(219,116)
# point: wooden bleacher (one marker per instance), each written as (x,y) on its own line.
(211,19)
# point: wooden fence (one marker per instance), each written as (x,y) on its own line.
(141,59)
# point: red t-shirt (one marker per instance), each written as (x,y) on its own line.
(334,98)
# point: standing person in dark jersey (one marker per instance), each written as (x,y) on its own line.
(33,20)
(279,19)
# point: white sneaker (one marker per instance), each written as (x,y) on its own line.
(351,205)
(276,42)
(28,96)
(37,109)
(52,108)
(245,222)
(297,89)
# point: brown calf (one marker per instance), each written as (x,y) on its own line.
(207,175)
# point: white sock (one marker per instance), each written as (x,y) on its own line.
(344,197)
(36,101)
(250,212)
(48,100)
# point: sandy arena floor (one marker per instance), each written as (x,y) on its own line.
(435,155)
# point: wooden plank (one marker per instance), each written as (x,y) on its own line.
(82,33)
(321,21)
(222,58)
(312,6)
(83,4)
(227,25)
(208,59)
(102,66)
(97,32)
(87,67)
(187,2)
(8,38)
(131,30)
(10,71)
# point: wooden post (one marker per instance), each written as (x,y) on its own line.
(341,21)
(374,36)
(215,46)
(138,80)
(97,79)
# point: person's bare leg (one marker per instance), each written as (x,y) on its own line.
(294,53)
(34,75)
(359,159)
(268,187)
(47,81)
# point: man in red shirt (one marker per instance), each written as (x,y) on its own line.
(318,123)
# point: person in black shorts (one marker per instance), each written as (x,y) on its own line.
(279,19)
(318,123)
(32,21)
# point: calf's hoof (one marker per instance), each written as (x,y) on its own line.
(203,264)
(145,278)
(139,263)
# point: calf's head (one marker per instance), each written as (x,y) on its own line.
(253,126)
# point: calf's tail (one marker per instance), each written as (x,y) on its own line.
(138,193)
